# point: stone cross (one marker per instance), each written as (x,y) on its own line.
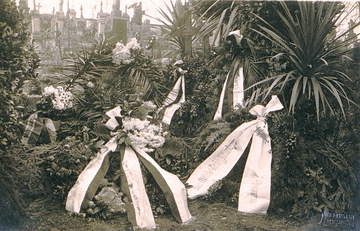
(81,10)
(116,5)
(101,4)
(61,5)
(38,6)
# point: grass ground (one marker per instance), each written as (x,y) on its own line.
(50,215)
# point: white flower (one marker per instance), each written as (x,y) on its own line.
(49,90)
(60,98)
(149,104)
(90,84)
(121,53)
(143,134)
(133,44)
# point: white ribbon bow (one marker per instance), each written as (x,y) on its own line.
(254,195)
(138,206)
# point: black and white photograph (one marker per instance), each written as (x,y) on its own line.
(172,115)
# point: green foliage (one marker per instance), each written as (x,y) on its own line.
(17,63)
(314,164)
(313,53)
(63,162)
(23,170)
(141,76)
(203,86)
(89,64)
(225,17)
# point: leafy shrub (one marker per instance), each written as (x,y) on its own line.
(314,165)
(17,64)
(63,162)
(203,85)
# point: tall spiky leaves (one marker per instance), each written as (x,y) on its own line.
(313,50)
(174,21)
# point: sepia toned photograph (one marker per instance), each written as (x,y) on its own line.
(171,115)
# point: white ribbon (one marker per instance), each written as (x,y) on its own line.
(137,202)
(238,93)
(138,206)
(254,196)
(172,96)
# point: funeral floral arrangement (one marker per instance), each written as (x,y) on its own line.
(138,127)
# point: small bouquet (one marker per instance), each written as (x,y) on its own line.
(143,134)
(60,98)
(122,53)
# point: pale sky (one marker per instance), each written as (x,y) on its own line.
(92,7)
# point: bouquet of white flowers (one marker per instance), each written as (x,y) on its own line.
(122,53)
(141,131)
(60,98)
(143,134)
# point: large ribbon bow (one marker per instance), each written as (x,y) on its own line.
(254,195)
(138,206)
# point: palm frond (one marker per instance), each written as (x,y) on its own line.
(147,78)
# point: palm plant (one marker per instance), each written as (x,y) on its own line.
(313,52)
(174,23)
(89,64)
(245,54)
(181,27)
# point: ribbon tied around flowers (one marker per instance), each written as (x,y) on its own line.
(254,194)
(138,207)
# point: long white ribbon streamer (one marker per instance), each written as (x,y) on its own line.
(237,92)
(257,169)
(138,205)
(170,184)
(89,179)
(238,89)
(172,96)
(218,113)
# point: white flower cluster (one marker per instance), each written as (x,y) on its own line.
(121,53)
(60,98)
(143,134)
